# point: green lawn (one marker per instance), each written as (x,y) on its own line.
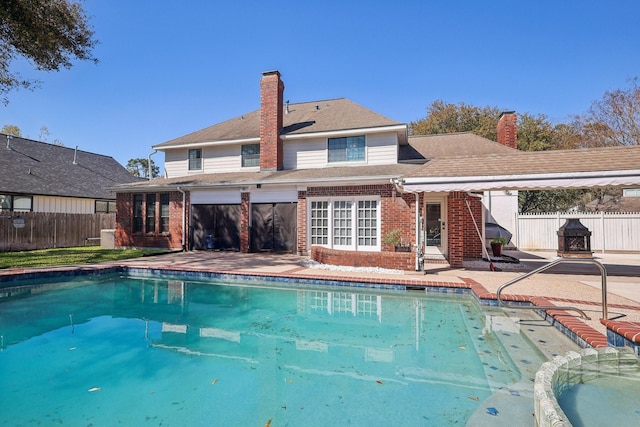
(67,256)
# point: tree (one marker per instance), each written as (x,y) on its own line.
(448,118)
(613,120)
(140,167)
(48,33)
(11,130)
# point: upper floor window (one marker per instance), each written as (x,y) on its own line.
(105,206)
(349,149)
(195,159)
(250,155)
(17,203)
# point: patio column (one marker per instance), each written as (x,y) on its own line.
(464,242)
(245,211)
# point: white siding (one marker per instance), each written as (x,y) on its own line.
(223,158)
(215,197)
(56,204)
(382,149)
(305,154)
(175,163)
(274,194)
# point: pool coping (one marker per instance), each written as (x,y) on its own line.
(619,333)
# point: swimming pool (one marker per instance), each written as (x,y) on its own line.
(168,351)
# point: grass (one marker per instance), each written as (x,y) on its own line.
(68,256)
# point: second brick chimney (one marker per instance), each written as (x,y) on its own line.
(271,111)
(508,129)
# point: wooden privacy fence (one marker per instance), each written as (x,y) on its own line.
(610,231)
(52,230)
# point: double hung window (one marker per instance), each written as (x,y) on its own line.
(195,159)
(348,149)
(250,155)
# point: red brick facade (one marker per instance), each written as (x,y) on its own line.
(245,211)
(508,129)
(463,240)
(126,238)
(271,111)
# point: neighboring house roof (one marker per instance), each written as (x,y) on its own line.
(303,118)
(427,147)
(348,174)
(607,166)
(38,168)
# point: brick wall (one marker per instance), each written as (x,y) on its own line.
(397,211)
(392,260)
(125,238)
(271,116)
(463,240)
(508,129)
(245,200)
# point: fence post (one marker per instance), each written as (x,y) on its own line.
(602,236)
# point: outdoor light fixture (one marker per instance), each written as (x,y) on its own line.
(19,222)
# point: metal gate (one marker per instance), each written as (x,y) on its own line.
(274,227)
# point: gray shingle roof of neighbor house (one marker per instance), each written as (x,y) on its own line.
(39,168)
(302,118)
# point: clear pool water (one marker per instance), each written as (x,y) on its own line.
(607,400)
(139,351)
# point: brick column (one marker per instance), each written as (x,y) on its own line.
(302,223)
(463,240)
(245,205)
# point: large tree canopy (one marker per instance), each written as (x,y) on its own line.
(48,33)
(613,120)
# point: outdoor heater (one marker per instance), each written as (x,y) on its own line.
(574,240)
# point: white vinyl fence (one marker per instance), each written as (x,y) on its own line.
(610,231)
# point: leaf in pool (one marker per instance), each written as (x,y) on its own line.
(214,381)
(268,423)
(461,347)
(92,389)
(476,398)
(379,382)
(492,411)
(514,393)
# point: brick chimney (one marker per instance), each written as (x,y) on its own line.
(271,111)
(507,129)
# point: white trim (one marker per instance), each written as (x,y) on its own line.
(207,143)
(347,132)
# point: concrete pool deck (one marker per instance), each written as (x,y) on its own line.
(576,285)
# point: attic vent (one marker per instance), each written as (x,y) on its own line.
(9,142)
(75,156)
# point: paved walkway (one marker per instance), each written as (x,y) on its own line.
(576,285)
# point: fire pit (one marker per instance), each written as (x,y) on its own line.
(574,240)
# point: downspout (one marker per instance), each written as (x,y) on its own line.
(184,216)
(149,164)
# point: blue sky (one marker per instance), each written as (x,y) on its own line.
(168,68)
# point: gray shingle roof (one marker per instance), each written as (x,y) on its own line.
(536,162)
(294,176)
(32,167)
(426,147)
(307,117)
